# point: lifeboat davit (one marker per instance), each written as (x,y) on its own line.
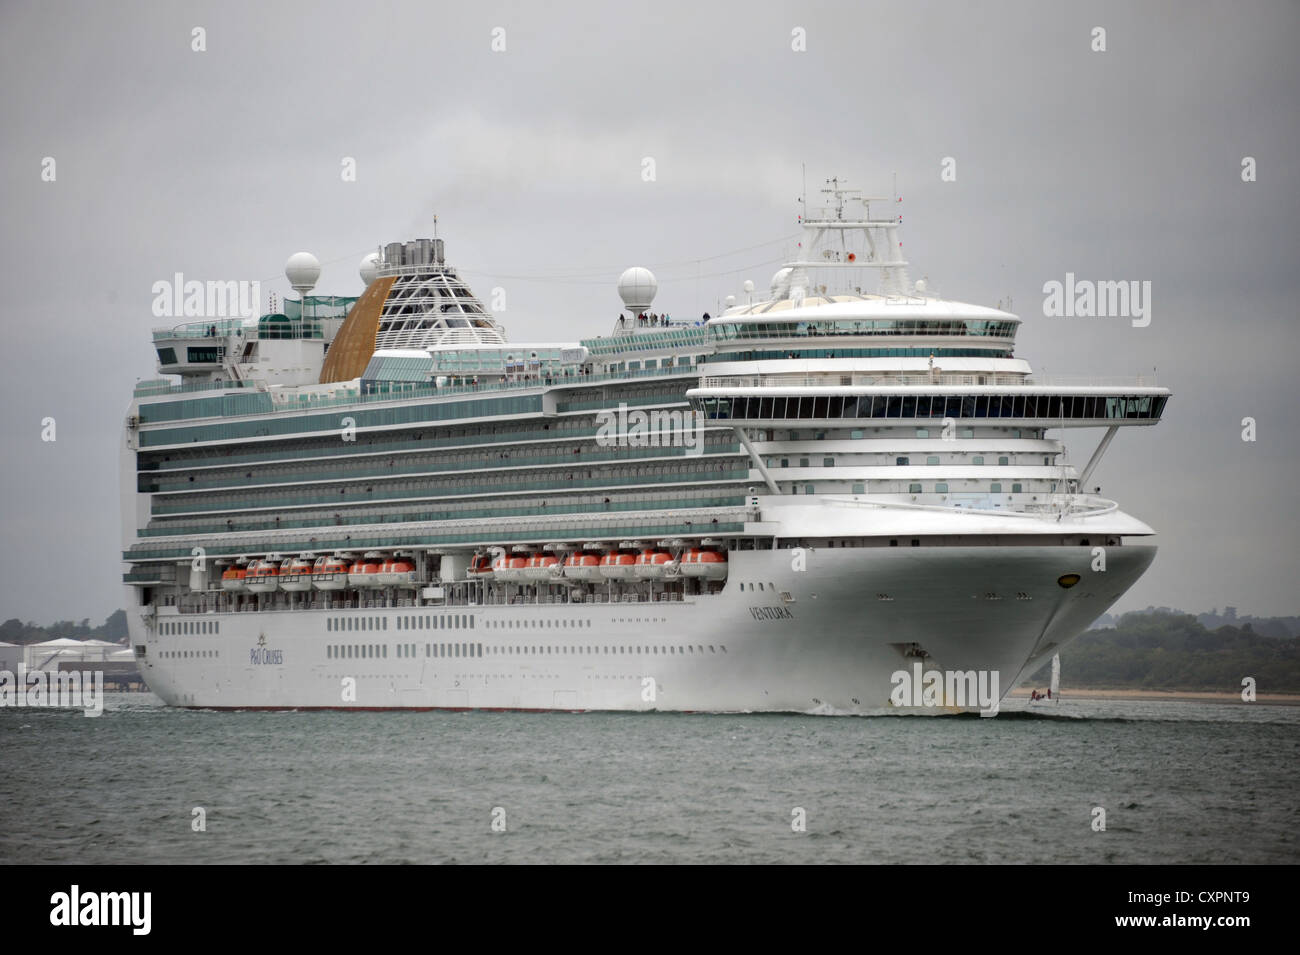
(582,566)
(706,562)
(295,575)
(542,567)
(365,572)
(329,573)
(396,572)
(232,579)
(654,564)
(619,564)
(263,576)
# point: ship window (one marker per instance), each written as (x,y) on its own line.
(808,489)
(923,432)
(978,459)
(995,488)
(916,542)
(828,462)
(914,489)
(893,542)
(785,462)
(932,459)
(1016,488)
(902,462)
(941,489)
(1004,460)
(803,462)
(968,432)
(858,489)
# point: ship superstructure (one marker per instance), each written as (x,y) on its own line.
(777,508)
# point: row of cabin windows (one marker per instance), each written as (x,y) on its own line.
(932,459)
(190,627)
(445,621)
(379,651)
(190,654)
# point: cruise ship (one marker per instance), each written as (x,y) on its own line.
(379,501)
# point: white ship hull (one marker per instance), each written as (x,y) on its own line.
(832,648)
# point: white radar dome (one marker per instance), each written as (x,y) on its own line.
(302,271)
(748,286)
(637,288)
(921,286)
(370,267)
(730,300)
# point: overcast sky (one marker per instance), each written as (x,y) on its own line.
(1122,164)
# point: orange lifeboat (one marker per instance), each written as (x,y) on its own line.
(295,575)
(655,563)
(329,573)
(232,579)
(619,564)
(513,568)
(480,567)
(396,572)
(542,567)
(706,562)
(263,576)
(365,572)
(582,566)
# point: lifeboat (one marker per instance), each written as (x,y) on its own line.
(480,567)
(542,567)
(582,566)
(513,568)
(232,578)
(620,564)
(397,571)
(709,563)
(295,575)
(329,573)
(365,572)
(655,563)
(263,576)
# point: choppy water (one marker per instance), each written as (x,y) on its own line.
(1180,783)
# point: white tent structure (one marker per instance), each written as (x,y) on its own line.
(48,654)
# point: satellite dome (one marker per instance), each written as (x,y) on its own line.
(781,276)
(920,286)
(748,286)
(302,270)
(370,268)
(637,288)
(729,301)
